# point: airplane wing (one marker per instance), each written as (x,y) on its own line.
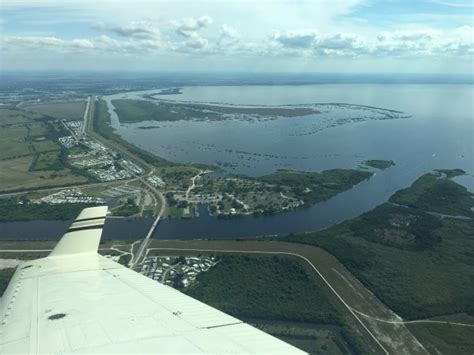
(76,301)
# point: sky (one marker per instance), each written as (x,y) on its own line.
(328,36)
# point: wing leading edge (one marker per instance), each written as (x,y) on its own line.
(76,301)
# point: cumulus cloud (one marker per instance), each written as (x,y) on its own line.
(145,37)
(136,29)
(101,44)
(427,42)
(296,39)
(196,41)
(311,41)
(340,41)
(228,36)
(414,35)
(187,26)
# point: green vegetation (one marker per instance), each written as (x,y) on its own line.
(126,208)
(264,195)
(404,228)
(276,294)
(130,111)
(5,277)
(444,338)
(313,187)
(13,116)
(60,110)
(435,192)
(25,136)
(29,152)
(379,164)
(272,288)
(450,173)
(47,161)
(103,126)
(13,209)
(45,146)
(15,175)
(418,264)
(14,142)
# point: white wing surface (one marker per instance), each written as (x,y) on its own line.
(76,301)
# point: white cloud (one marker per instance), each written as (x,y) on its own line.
(296,39)
(144,37)
(196,41)
(228,36)
(312,41)
(136,29)
(189,26)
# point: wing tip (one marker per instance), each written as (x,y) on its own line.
(92,212)
(83,236)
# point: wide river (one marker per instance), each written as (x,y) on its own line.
(438,134)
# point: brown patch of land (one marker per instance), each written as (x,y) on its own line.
(15,174)
(60,110)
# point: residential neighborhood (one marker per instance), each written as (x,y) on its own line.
(179,271)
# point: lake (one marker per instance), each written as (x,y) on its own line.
(438,134)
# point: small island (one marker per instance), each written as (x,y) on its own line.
(131,111)
(170,91)
(379,164)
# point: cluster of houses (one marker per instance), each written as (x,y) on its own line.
(101,162)
(69,196)
(156,181)
(176,271)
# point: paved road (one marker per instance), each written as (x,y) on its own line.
(193,182)
(87,113)
(137,258)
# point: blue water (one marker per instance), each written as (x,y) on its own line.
(438,134)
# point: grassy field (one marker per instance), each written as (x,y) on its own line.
(13,116)
(276,294)
(47,161)
(17,141)
(420,265)
(45,146)
(435,192)
(30,156)
(60,110)
(130,111)
(15,174)
(13,142)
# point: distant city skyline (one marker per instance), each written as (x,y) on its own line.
(350,36)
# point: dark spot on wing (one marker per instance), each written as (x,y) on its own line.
(57,316)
